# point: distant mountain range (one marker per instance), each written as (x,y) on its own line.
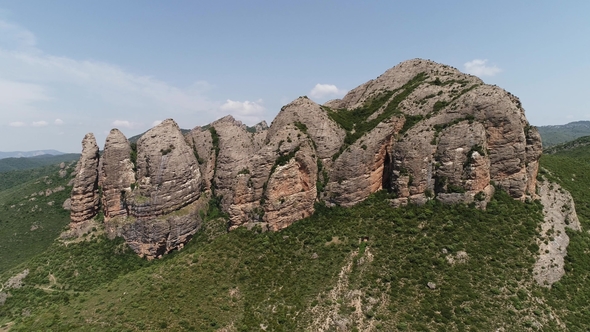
(22,163)
(553,135)
(21,154)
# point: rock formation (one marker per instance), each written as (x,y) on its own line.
(168,175)
(422,130)
(85,200)
(116,174)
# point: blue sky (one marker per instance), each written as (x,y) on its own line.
(72,67)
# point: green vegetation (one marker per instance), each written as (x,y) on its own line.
(30,219)
(577,148)
(247,278)
(356,122)
(133,155)
(439,127)
(570,168)
(553,135)
(301,126)
(14,164)
(167,150)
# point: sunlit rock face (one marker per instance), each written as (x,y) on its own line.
(421,130)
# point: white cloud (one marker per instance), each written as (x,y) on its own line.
(155,123)
(58,122)
(123,124)
(18,95)
(322,91)
(17,124)
(479,67)
(247,111)
(35,84)
(39,123)
(16,35)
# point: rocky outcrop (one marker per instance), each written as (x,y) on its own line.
(559,213)
(152,238)
(116,174)
(291,188)
(263,194)
(422,131)
(235,146)
(459,134)
(314,121)
(84,200)
(168,175)
(364,167)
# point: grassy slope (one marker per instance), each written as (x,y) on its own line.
(28,225)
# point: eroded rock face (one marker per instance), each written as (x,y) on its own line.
(279,185)
(116,174)
(168,175)
(291,190)
(313,121)
(365,167)
(422,130)
(460,134)
(84,200)
(236,146)
(155,237)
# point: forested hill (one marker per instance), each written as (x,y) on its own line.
(21,163)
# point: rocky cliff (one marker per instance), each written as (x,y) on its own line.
(422,131)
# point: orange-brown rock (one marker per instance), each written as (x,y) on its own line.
(291,190)
(365,167)
(421,130)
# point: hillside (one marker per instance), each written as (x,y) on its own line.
(320,272)
(577,148)
(317,272)
(31,212)
(557,134)
(22,163)
(26,154)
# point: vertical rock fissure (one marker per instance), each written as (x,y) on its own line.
(387,170)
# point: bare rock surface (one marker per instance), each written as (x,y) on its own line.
(116,174)
(291,190)
(421,130)
(84,200)
(459,135)
(365,167)
(278,184)
(168,175)
(326,133)
(559,213)
(236,146)
(152,238)
(201,142)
